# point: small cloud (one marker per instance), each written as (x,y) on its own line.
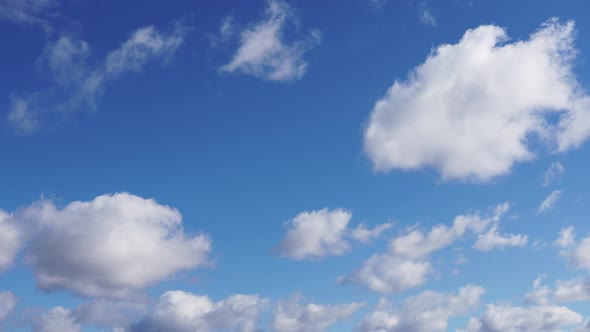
(549,202)
(264,53)
(425,15)
(554,173)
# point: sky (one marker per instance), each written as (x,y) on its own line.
(295,166)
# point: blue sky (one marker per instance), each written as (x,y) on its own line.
(360,165)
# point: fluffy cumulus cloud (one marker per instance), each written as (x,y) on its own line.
(316,234)
(112,246)
(7,305)
(109,314)
(549,202)
(263,51)
(427,311)
(576,252)
(509,318)
(292,316)
(57,319)
(11,240)
(78,84)
(178,311)
(406,263)
(572,290)
(475,108)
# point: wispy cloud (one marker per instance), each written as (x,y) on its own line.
(263,51)
(549,202)
(425,15)
(78,84)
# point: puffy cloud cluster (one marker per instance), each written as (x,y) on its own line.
(316,234)
(80,84)
(58,319)
(471,109)
(179,311)
(509,318)
(576,252)
(406,263)
(427,311)
(294,317)
(263,51)
(112,246)
(564,291)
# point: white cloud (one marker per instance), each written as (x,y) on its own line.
(112,246)
(426,16)
(79,85)
(491,240)
(57,319)
(508,318)
(109,314)
(365,235)
(265,54)
(553,173)
(178,311)
(24,120)
(549,202)
(316,234)
(572,290)
(31,12)
(406,263)
(471,108)
(427,311)
(11,240)
(7,305)
(567,238)
(576,252)
(294,317)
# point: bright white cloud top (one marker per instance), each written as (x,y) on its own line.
(112,246)
(472,109)
(317,234)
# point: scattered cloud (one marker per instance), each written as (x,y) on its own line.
(110,314)
(12,239)
(317,234)
(554,173)
(427,311)
(264,53)
(377,4)
(294,317)
(79,85)
(472,108)
(576,252)
(180,311)
(572,290)
(29,12)
(226,31)
(406,263)
(426,16)
(7,305)
(57,319)
(549,202)
(112,246)
(365,235)
(491,240)
(567,238)
(508,318)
